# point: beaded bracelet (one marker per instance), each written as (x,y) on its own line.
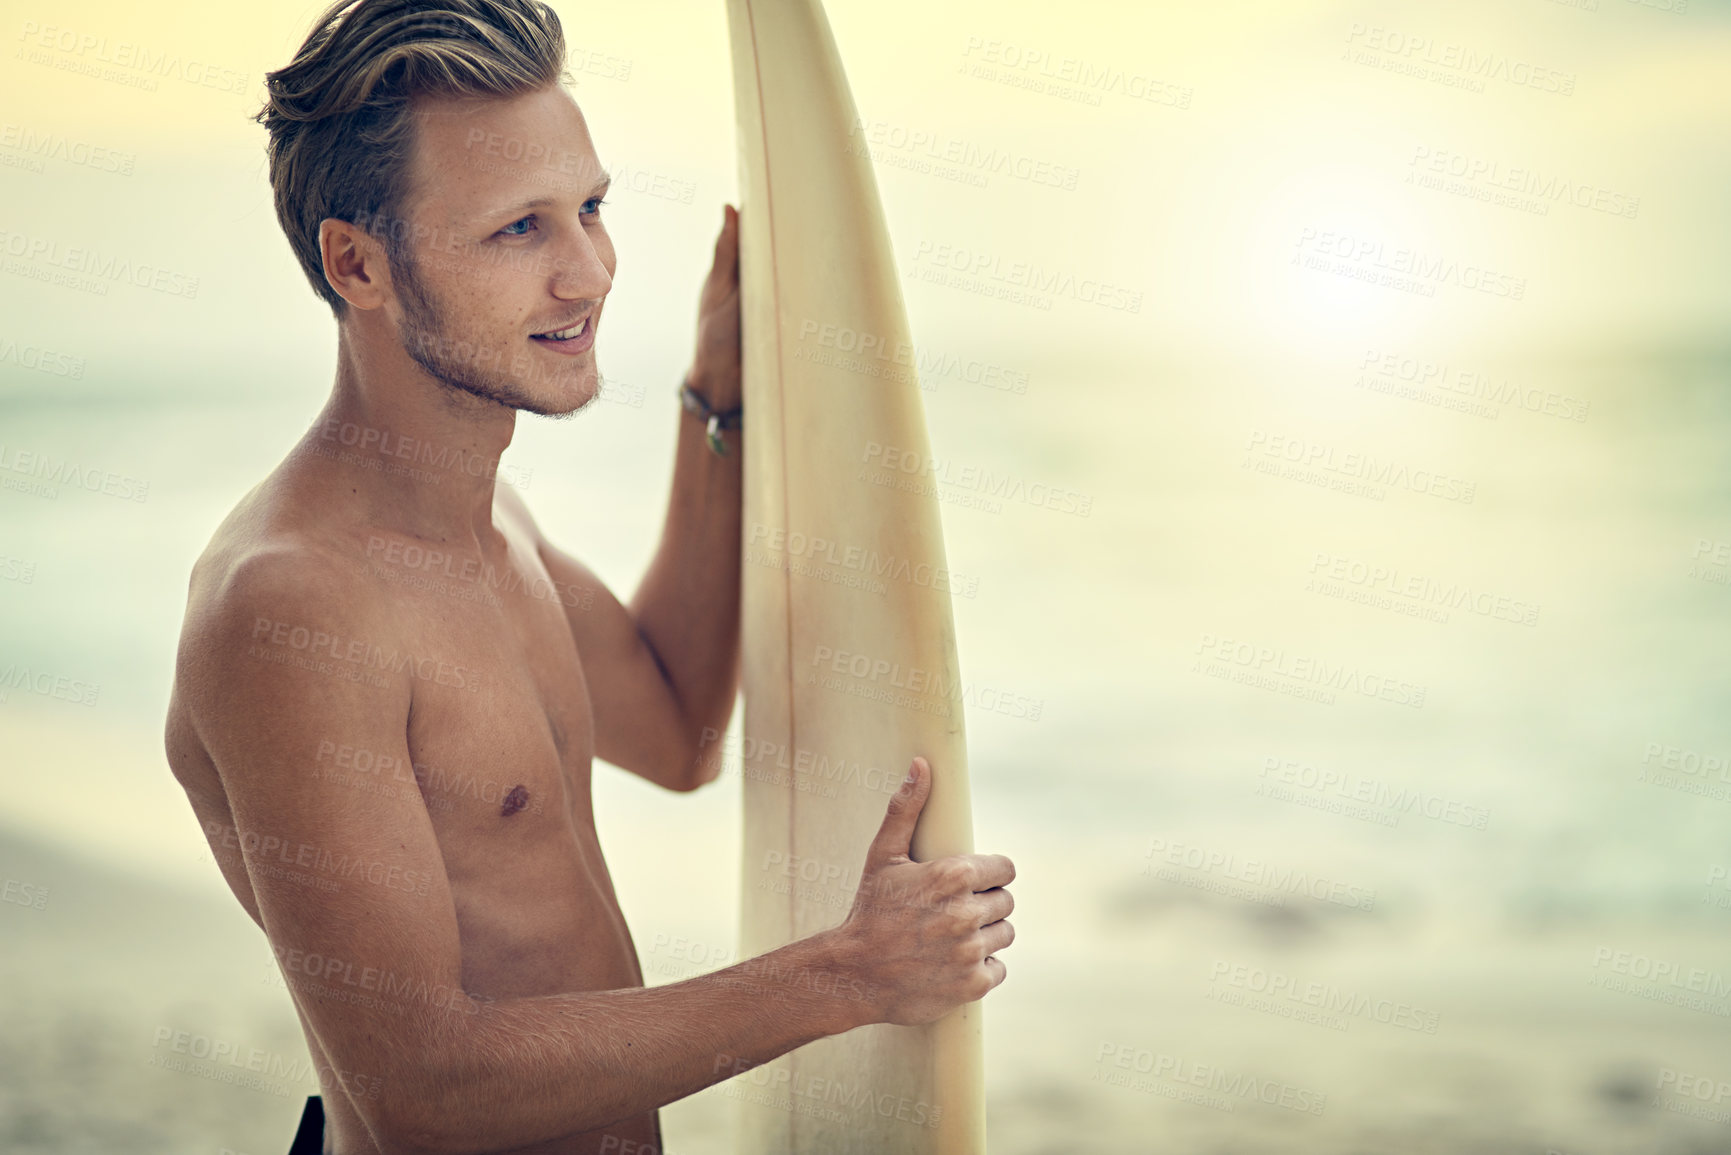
(714,422)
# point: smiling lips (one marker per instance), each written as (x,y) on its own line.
(575,339)
(566,334)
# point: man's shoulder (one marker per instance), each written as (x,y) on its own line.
(257,576)
(269,598)
(283,572)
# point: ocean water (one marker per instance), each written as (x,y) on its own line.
(1354,817)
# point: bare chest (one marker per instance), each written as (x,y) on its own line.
(501,743)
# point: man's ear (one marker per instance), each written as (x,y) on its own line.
(355,264)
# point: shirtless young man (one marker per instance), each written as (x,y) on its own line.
(378,623)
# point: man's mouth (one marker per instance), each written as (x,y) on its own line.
(570,334)
(571,341)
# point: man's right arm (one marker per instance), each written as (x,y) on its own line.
(375,964)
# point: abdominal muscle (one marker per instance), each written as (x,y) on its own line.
(536,916)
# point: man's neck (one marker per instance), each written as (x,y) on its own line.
(384,407)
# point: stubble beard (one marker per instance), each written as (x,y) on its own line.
(454,361)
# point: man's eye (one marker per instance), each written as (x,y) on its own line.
(517,228)
(593,206)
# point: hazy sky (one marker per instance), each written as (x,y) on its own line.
(1203,147)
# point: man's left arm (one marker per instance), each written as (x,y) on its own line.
(660,687)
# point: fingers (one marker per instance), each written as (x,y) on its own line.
(993,905)
(996,937)
(990,870)
(996,971)
(727,243)
(897,831)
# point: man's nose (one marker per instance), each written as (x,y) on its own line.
(578,271)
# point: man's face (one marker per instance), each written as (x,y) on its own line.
(503,265)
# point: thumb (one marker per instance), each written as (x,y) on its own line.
(897,832)
(727,241)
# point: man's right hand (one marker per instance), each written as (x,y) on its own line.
(924,934)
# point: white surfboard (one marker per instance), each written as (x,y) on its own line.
(849,650)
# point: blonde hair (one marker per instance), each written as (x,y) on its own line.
(340,115)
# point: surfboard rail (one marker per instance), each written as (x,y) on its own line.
(848,652)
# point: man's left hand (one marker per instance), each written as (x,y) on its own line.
(715,366)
